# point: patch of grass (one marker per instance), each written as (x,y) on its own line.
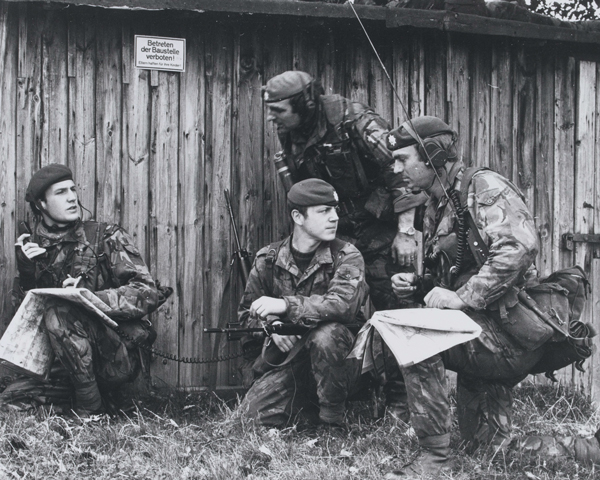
(171,435)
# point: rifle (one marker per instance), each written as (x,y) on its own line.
(241,253)
(235,331)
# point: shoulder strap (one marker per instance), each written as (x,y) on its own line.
(270,259)
(334,107)
(336,246)
(476,244)
(94,253)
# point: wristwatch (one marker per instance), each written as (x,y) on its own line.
(407,231)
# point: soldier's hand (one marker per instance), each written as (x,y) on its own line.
(404,249)
(264,306)
(29,249)
(443,298)
(403,284)
(285,342)
(71,282)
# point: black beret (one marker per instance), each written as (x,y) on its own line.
(425,126)
(46,177)
(311,192)
(285,85)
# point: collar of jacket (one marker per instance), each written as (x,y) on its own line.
(48,236)
(315,133)
(285,259)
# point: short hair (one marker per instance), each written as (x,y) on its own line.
(303,209)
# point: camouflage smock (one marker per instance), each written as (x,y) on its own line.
(346,146)
(341,126)
(116,273)
(326,296)
(505,224)
(86,350)
(330,290)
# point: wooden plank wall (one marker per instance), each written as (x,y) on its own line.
(154,151)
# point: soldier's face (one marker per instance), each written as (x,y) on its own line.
(60,206)
(408,163)
(280,113)
(320,222)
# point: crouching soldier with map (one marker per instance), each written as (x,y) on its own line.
(62,251)
(480,244)
(314,280)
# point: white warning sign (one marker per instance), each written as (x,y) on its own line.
(160,53)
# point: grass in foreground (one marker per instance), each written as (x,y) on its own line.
(179,436)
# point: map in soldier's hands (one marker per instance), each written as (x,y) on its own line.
(413,334)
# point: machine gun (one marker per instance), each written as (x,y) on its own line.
(235,331)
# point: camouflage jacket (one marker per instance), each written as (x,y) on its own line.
(506,226)
(332,289)
(346,147)
(105,258)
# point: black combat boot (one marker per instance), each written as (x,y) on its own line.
(431,461)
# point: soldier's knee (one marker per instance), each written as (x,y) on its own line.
(52,319)
(330,336)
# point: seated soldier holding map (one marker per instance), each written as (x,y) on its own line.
(63,251)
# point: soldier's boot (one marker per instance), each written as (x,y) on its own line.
(332,414)
(429,464)
(88,400)
(587,450)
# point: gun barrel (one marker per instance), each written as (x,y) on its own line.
(233,330)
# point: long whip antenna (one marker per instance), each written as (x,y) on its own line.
(408,119)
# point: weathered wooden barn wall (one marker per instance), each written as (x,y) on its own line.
(155,150)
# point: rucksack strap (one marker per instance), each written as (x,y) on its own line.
(270,259)
(94,254)
(476,244)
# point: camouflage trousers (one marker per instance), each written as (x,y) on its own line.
(317,377)
(374,240)
(86,351)
(488,367)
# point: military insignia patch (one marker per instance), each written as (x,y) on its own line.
(391,140)
(335,196)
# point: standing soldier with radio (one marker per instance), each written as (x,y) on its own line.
(63,251)
(343,142)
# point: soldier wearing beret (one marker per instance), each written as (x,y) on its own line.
(343,142)
(478,270)
(62,251)
(313,279)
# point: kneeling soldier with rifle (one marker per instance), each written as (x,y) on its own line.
(315,281)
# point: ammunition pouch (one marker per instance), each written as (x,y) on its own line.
(518,321)
(141,331)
